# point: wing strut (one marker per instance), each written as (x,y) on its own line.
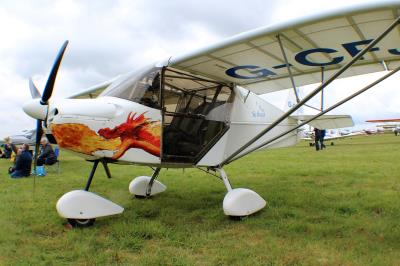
(322,91)
(321,113)
(291,74)
(312,94)
(288,68)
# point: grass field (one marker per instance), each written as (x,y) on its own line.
(339,206)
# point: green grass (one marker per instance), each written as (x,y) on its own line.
(339,206)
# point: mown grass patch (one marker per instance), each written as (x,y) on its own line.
(337,206)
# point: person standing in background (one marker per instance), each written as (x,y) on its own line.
(317,135)
(322,133)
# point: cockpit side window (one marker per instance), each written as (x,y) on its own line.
(147,90)
(143,88)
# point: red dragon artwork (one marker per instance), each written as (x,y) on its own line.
(137,132)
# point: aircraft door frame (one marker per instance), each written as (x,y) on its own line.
(190,122)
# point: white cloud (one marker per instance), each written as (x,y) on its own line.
(108,38)
(14,95)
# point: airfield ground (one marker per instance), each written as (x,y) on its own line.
(339,206)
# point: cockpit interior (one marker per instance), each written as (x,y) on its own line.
(195,111)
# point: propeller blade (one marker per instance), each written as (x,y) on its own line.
(48,89)
(39,132)
(34,91)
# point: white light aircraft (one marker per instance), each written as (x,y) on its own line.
(26,136)
(395,127)
(332,135)
(203,110)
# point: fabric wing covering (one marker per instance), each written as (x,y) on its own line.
(325,41)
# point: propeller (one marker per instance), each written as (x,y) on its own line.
(48,89)
(34,91)
(39,109)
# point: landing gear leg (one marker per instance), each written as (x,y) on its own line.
(108,173)
(93,171)
(150,185)
(91,175)
(146,186)
(81,207)
(240,202)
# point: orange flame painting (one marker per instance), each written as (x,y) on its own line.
(137,132)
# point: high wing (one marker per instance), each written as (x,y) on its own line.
(325,41)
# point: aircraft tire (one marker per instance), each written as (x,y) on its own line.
(237,218)
(81,223)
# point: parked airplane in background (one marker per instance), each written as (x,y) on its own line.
(202,109)
(395,127)
(375,130)
(396,130)
(331,135)
(26,136)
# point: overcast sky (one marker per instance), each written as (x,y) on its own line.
(108,38)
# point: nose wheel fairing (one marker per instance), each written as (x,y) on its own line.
(81,204)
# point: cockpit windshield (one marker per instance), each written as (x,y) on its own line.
(142,87)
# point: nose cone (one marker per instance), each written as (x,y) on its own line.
(34,109)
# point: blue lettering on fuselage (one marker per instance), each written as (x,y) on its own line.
(259,112)
(304,58)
